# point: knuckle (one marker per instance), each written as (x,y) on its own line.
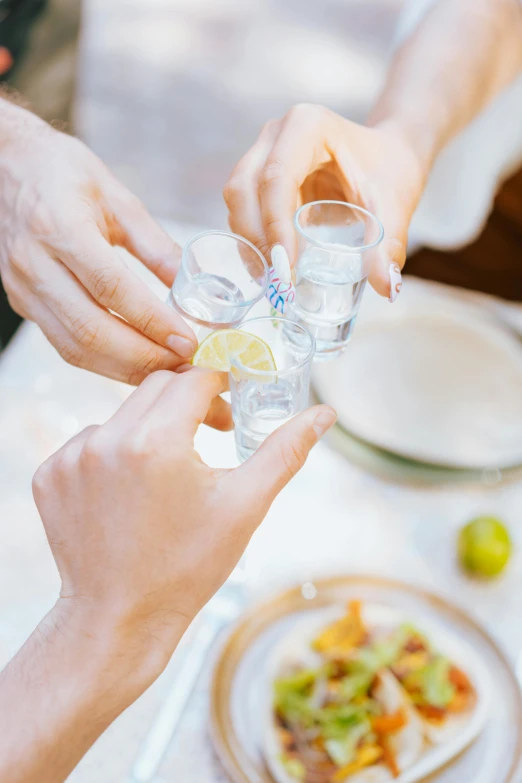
(293,458)
(42,222)
(71,352)
(138,448)
(272,171)
(150,361)
(201,378)
(273,223)
(269,125)
(96,449)
(134,377)
(62,462)
(42,479)
(16,301)
(234,188)
(300,110)
(21,264)
(262,244)
(106,287)
(88,334)
(131,202)
(397,250)
(145,322)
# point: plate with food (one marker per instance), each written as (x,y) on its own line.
(367,681)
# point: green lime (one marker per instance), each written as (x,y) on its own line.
(484,546)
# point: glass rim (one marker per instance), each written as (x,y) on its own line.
(326,246)
(277,373)
(238,238)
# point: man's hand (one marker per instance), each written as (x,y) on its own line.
(61,214)
(312,154)
(143,534)
(138,525)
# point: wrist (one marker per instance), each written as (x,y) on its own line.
(420,146)
(118,647)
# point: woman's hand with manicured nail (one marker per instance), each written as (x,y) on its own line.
(313,154)
(395,282)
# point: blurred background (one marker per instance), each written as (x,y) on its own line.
(170,94)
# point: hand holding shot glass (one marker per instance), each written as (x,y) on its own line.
(268,359)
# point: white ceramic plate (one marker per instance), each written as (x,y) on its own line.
(239,684)
(433,378)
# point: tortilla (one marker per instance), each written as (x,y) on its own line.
(420,747)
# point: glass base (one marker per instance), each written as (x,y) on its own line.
(330,339)
(243,454)
(246,445)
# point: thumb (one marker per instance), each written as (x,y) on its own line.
(390,256)
(282,455)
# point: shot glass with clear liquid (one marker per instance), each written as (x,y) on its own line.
(337,246)
(221,278)
(264,400)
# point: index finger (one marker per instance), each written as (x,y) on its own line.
(185,402)
(97,266)
(299,149)
(241,191)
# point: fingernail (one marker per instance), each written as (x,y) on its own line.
(324,421)
(280,294)
(281,263)
(180,345)
(395,282)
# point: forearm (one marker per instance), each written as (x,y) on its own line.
(462,54)
(67,684)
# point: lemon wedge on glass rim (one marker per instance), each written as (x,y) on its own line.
(220,347)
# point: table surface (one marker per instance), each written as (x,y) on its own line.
(367,525)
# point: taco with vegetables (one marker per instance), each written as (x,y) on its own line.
(361,696)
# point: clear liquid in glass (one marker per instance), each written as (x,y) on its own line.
(259,409)
(209,298)
(329,290)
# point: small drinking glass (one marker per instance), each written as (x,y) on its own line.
(221,277)
(263,400)
(337,246)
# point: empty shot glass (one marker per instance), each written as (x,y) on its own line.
(337,246)
(221,278)
(263,400)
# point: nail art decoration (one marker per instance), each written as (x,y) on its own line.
(280,294)
(395,282)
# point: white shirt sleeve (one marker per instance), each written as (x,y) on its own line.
(459,196)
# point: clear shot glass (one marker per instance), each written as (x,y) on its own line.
(337,247)
(264,400)
(221,278)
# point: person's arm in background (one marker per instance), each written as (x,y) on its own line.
(61,215)
(462,54)
(143,534)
